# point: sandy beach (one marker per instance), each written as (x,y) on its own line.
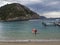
(31,43)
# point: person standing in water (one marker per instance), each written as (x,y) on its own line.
(34,31)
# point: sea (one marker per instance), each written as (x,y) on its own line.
(22,30)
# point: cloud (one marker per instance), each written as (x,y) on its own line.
(53,3)
(51,14)
(25,1)
(48,8)
(3,3)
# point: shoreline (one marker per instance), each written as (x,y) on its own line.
(29,42)
(18,41)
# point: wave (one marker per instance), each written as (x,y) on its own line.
(29,40)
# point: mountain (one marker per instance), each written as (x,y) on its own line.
(42,17)
(16,11)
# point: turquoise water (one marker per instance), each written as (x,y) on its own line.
(23,30)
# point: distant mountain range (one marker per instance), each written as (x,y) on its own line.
(53,18)
(42,17)
(15,12)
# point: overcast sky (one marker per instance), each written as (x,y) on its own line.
(47,8)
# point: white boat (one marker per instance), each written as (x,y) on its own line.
(57,24)
(52,23)
(48,23)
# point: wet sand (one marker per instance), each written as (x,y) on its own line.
(31,43)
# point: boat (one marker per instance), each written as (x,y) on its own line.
(51,22)
(57,24)
(48,23)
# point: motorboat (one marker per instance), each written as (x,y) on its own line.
(48,23)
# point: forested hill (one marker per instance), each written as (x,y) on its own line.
(16,11)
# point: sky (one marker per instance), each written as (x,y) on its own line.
(47,8)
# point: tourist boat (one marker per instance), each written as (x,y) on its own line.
(57,24)
(48,23)
(52,23)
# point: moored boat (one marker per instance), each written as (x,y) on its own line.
(48,23)
(58,23)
